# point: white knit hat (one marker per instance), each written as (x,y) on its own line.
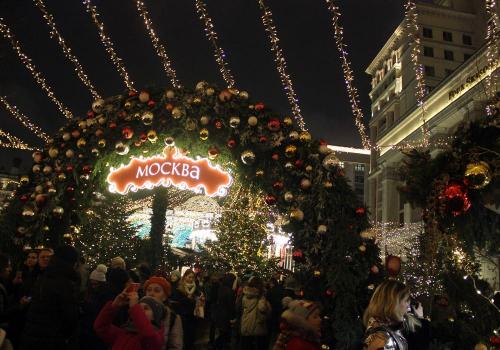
(99,274)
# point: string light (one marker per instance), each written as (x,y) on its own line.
(211,34)
(31,67)
(492,51)
(286,81)
(478,292)
(14,111)
(411,22)
(159,48)
(14,142)
(348,74)
(54,33)
(108,45)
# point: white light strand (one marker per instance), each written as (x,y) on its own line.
(54,33)
(14,111)
(492,51)
(108,45)
(158,46)
(211,34)
(478,292)
(31,67)
(286,81)
(14,142)
(348,74)
(413,32)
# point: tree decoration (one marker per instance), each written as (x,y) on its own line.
(297,214)
(455,198)
(298,256)
(204,134)
(248,157)
(169,141)
(478,175)
(152,136)
(305,136)
(290,151)
(305,184)
(234,121)
(393,265)
(252,120)
(330,161)
(274,124)
(270,199)
(213,153)
(322,229)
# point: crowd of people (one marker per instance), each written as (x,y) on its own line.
(52,301)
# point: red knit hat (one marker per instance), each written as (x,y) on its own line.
(167,287)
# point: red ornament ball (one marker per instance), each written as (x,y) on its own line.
(455,199)
(151,103)
(298,256)
(218,124)
(263,139)
(278,185)
(360,211)
(275,156)
(299,163)
(231,143)
(274,124)
(270,199)
(127,132)
(259,106)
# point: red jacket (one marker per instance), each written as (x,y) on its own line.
(146,338)
(297,343)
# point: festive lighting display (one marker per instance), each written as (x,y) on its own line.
(286,81)
(14,111)
(108,44)
(39,78)
(54,33)
(478,292)
(348,74)
(159,48)
(413,32)
(211,34)
(492,51)
(14,142)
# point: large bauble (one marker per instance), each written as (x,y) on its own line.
(81,142)
(70,153)
(98,105)
(274,124)
(177,112)
(147,118)
(290,151)
(305,184)
(293,135)
(204,134)
(252,120)
(121,148)
(37,156)
(152,137)
(478,175)
(47,169)
(201,86)
(234,121)
(288,196)
(204,120)
(169,141)
(127,132)
(305,136)
(297,215)
(170,94)
(248,157)
(330,161)
(66,136)
(53,152)
(213,153)
(191,124)
(270,199)
(144,96)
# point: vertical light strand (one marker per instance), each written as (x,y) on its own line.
(286,81)
(338,33)
(14,111)
(413,31)
(39,78)
(54,33)
(492,51)
(219,54)
(158,46)
(108,45)
(14,142)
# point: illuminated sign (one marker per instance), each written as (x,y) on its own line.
(170,169)
(472,79)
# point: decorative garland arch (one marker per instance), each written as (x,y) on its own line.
(300,177)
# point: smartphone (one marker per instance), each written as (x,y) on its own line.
(133,287)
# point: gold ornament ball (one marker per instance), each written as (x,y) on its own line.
(102,120)
(121,148)
(243,95)
(293,135)
(196,100)
(287,121)
(53,152)
(128,105)
(290,151)
(144,96)
(210,91)
(201,85)
(248,157)
(204,134)
(305,136)
(234,121)
(61,177)
(66,136)
(305,184)
(152,137)
(330,161)
(101,143)
(259,173)
(480,346)
(81,142)
(478,174)
(98,105)
(191,124)
(309,168)
(177,113)
(147,118)
(47,169)
(37,156)
(82,124)
(169,141)
(317,273)
(252,120)
(323,149)
(362,248)
(24,180)
(322,229)
(213,153)
(70,153)
(368,234)
(59,211)
(170,94)
(327,184)
(288,197)
(297,215)
(204,120)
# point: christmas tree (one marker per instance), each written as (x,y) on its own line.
(105,231)
(242,238)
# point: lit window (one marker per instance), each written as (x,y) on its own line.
(467,39)
(427,32)
(448,55)
(359,167)
(447,36)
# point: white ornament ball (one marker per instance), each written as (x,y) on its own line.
(322,228)
(252,121)
(98,105)
(144,96)
(70,153)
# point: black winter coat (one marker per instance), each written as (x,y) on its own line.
(52,319)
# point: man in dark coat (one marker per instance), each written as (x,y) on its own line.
(224,311)
(52,319)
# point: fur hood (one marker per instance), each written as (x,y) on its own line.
(297,322)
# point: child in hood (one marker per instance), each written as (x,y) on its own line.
(143,331)
(300,326)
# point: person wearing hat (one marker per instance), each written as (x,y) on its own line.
(118,262)
(52,318)
(301,326)
(143,331)
(160,289)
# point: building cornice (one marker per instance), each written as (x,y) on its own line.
(386,49)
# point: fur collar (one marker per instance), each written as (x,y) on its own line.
(297,322)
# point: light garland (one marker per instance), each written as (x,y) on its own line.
(492,51)
(478,292)
(286,81)
(348,74)
(211,34)
(14,111)
(411,17)
(31,67)
(54,33)
(159,48)
(108,44)
(14,142)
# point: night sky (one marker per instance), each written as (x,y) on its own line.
(304,28)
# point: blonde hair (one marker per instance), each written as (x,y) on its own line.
(384,302)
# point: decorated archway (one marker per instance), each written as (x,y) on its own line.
(207,130)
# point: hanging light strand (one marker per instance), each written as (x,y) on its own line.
(54,33)
(413,32)
(492,51)
(23,119)
(348,74)
(108,45)
(14,142)
(286,81)
(211,34)
(39,78)
(158,46)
